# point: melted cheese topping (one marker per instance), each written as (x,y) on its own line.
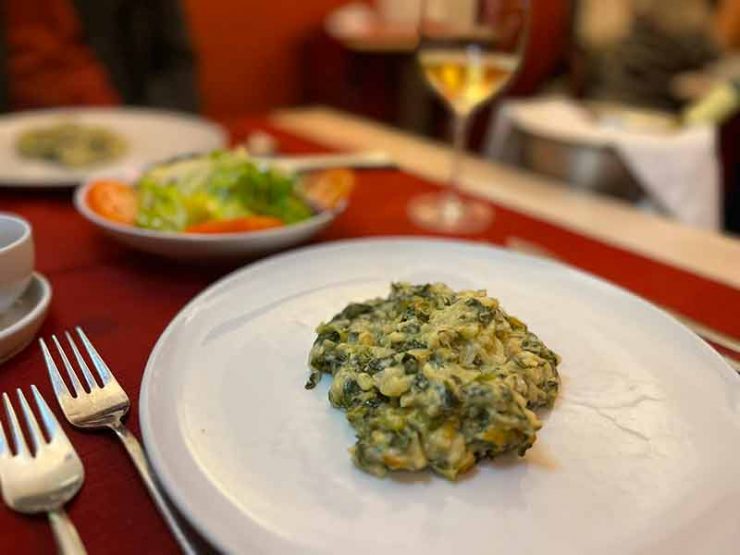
(434,378)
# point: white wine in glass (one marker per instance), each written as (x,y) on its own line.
(468,52)
(467,77)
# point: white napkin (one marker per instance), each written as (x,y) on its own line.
(679,170)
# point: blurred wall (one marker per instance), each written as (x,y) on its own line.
(249,50)
(549,43)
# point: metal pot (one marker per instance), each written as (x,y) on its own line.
(584,166)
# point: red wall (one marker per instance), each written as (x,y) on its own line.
(548,43)
(248,50)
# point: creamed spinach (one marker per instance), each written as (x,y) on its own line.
(430,377)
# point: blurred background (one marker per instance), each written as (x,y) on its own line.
(603,135)
(611,95)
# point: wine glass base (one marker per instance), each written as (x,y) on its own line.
(445,213)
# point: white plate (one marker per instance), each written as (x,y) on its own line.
(640,455)
(19,324)
(201,247)
(151,135)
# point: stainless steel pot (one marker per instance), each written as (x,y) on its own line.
(584,166)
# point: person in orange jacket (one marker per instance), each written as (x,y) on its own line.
(95,52)
(728,24)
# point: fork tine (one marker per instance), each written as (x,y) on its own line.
(33,426)
(4,447)
(100,365)
(70,371)
(57,383)
(81,362)
(51,424)
(21,449)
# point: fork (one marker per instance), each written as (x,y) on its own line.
(104,407)
(45,479)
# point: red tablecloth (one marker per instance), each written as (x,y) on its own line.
(124,300)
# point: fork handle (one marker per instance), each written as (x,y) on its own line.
(136,452)
(65,534)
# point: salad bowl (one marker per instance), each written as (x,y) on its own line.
(192,245)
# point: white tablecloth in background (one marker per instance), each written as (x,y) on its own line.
(679,170)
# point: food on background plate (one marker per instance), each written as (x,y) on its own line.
(430,377)
(71,145)
(220,192)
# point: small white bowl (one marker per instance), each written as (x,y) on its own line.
(199,246)
(16,258)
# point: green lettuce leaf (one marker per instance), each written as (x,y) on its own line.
(220,185)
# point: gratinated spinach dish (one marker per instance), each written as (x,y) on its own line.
(71,144)
(434,378)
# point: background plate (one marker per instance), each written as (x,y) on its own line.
(640,454)
(151,135)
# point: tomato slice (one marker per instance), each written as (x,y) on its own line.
(113,200)
(235,225)
(327,189)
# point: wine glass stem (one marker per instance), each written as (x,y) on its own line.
(459,135)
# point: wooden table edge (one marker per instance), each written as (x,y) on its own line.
(706,253)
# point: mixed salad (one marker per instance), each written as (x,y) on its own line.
(223,191)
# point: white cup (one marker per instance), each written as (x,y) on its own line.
(16,258)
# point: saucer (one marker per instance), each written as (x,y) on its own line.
(19,324)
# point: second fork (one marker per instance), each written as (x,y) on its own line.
(104,406)
(45,478)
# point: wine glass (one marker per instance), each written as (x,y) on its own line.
(468,51)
